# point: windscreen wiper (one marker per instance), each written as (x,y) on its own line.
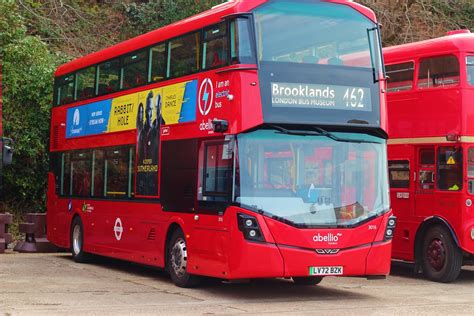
(340,139)
(295,132)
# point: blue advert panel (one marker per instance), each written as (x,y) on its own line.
(88,119)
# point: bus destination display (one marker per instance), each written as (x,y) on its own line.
(320,96)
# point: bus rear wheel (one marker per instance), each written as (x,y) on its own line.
(177,261)
(441,257)
(310,280)
(77,241)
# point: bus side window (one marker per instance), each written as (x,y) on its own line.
(400,77)
(183,55)
(399,173)
(157,63)
(85,83)
(426,172)
(117,175)
(65,186)
(108,75)
(65,90)
(215,48)
(438,71)
(241,44)
(470,69)
(97,187)
(470,170)
(450,168)
(134,70)
(80,173)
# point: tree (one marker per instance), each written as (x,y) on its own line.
(28,68)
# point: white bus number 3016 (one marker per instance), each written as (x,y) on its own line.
(354,97)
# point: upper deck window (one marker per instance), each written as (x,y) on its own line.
(241,44)
(183,55)
(108,74)
(65,92)
(215,47)
(470,69)
(440,71)
(400,76)
(134,69)
(316,33)
(158,62)
(85,84)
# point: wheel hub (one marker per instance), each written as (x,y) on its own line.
(179,257)
(76,240)
(436,254)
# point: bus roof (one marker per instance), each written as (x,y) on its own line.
(195,22)
(459,41)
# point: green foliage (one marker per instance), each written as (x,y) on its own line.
(28,68)
(147,16)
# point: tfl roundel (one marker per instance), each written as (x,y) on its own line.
(206,96)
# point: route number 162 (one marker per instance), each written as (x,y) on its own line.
(354,97)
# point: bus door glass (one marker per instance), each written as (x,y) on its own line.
(213,197)
(426,178)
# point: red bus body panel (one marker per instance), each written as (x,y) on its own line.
(423,118)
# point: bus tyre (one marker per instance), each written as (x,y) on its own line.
(177,261)
(311,280)
(441,257)
(77,241)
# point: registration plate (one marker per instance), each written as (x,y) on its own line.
(325,270)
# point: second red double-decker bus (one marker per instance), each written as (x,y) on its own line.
(431,152)
(245,142)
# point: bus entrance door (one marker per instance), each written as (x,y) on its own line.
(425,184)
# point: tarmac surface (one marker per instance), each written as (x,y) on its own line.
(52,284)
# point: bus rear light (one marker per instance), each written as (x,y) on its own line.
(392,222)
(248,225)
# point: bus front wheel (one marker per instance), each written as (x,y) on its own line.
(177,261)
(442,258)
(311,280)
(77,241)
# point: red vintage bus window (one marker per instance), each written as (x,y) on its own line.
(399,173)
(450,168)
(470,69)
(400,76)
(438,72)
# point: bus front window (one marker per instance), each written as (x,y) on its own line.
(316,33)
(312,180)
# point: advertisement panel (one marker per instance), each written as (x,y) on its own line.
(144,111)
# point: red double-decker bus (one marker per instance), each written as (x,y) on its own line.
(431,152)
(244,142)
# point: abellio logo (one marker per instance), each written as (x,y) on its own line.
(206,96)
(330,238)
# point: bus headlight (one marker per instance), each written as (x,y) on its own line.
(472,233)
(391,223)
(248,225)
